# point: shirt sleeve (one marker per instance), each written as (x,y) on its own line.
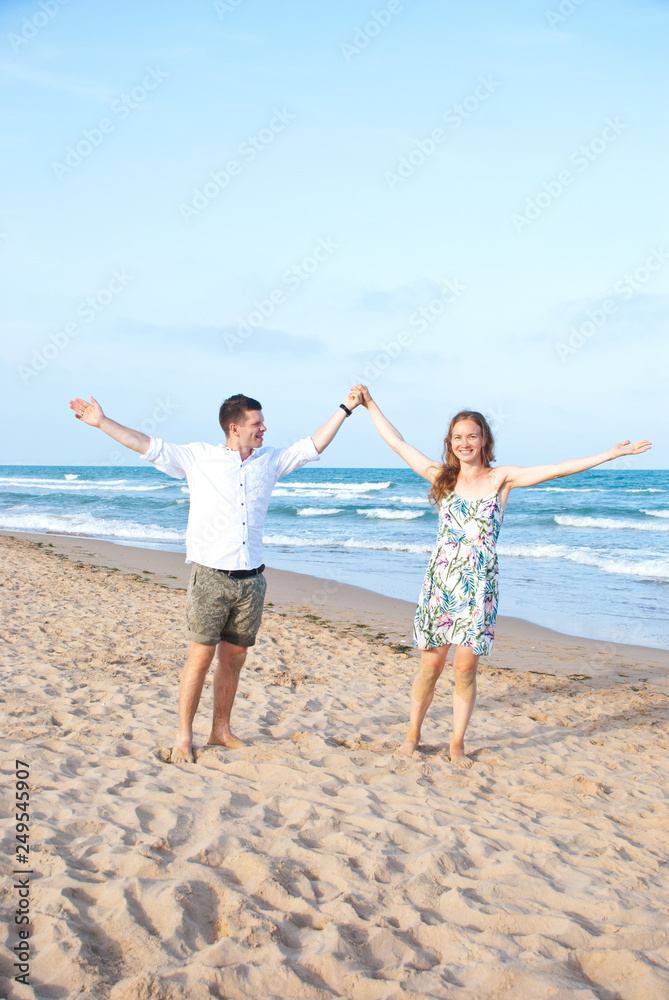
(174,459)
(295,456)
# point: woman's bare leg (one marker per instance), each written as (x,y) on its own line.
(432,663)
(465,664)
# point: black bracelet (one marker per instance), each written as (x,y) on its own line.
(345,409)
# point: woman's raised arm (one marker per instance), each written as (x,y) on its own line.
(532,475)
(415,459)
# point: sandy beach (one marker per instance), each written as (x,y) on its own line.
(313,863)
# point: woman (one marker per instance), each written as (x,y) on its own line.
(458,602)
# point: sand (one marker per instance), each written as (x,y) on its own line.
(313,863)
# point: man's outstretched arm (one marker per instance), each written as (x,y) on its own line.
(325,434)
(91,414)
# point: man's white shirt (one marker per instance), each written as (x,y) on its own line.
(228,498)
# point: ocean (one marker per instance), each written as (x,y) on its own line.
(587,555)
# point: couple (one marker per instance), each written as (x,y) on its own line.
(230,488)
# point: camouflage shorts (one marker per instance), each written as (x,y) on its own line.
(222,608)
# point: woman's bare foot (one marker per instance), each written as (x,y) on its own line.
(459,757)
(408,747)
(230,741)
(182,754)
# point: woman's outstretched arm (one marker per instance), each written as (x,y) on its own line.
(416,460)
(516,475)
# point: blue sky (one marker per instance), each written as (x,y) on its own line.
(462,203)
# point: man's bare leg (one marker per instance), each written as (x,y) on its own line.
(230,662)
(190,690)
(465,664)
(432,663)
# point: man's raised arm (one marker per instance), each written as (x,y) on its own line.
(91,414)
(325,434)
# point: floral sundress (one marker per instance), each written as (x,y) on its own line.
(458,601)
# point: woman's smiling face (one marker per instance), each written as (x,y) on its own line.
(466,440)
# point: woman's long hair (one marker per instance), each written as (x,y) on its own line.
(450,470)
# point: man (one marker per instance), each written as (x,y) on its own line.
(230,489)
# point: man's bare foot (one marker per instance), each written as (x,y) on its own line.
(459,757)
(407,747)
(232,742)
(182,755)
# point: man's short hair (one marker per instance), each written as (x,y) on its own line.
(234,409)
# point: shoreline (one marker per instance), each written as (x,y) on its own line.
(574,575)
(346,604)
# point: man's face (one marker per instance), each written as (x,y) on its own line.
(252,431)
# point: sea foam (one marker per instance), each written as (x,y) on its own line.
(290,541)
(650,569)
(96,527)
(317,511)
(610,523)
(384,514)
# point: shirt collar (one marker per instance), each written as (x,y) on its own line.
(233,451)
